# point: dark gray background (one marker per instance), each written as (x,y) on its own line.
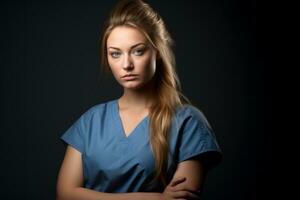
(50,75)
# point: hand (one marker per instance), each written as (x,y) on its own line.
(176,190)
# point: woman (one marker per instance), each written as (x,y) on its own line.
(150,143)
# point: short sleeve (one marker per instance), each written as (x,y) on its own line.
(197,139)
(74,135)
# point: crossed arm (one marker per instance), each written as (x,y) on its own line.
(187,180)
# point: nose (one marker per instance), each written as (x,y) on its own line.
(127,63)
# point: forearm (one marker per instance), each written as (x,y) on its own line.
(87,194)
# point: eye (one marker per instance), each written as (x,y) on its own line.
(138,52)
(115,54)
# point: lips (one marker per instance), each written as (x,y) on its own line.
(128,75)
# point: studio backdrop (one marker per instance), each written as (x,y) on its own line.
(50,74)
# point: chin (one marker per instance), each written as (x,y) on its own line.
(132,86)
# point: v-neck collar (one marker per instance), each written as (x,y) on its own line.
(119,122)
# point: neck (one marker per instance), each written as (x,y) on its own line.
(138,99)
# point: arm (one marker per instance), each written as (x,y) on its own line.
(70,181)
(194,172)
(187,181)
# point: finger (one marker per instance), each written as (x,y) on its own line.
(193,196)
(177,181)
(179,187)
(185,195)
(184,187)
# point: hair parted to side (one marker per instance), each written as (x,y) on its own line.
(138,14)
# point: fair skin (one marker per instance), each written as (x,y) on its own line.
(129,52)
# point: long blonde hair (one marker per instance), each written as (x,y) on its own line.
(138,14)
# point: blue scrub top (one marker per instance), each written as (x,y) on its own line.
(113,162)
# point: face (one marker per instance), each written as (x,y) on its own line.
(131,58)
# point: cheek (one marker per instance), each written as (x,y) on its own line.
(149,66)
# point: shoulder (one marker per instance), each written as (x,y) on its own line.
(189,111)
(191,115)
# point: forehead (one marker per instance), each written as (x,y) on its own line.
(124,37)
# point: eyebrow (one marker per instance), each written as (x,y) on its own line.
(130,47)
